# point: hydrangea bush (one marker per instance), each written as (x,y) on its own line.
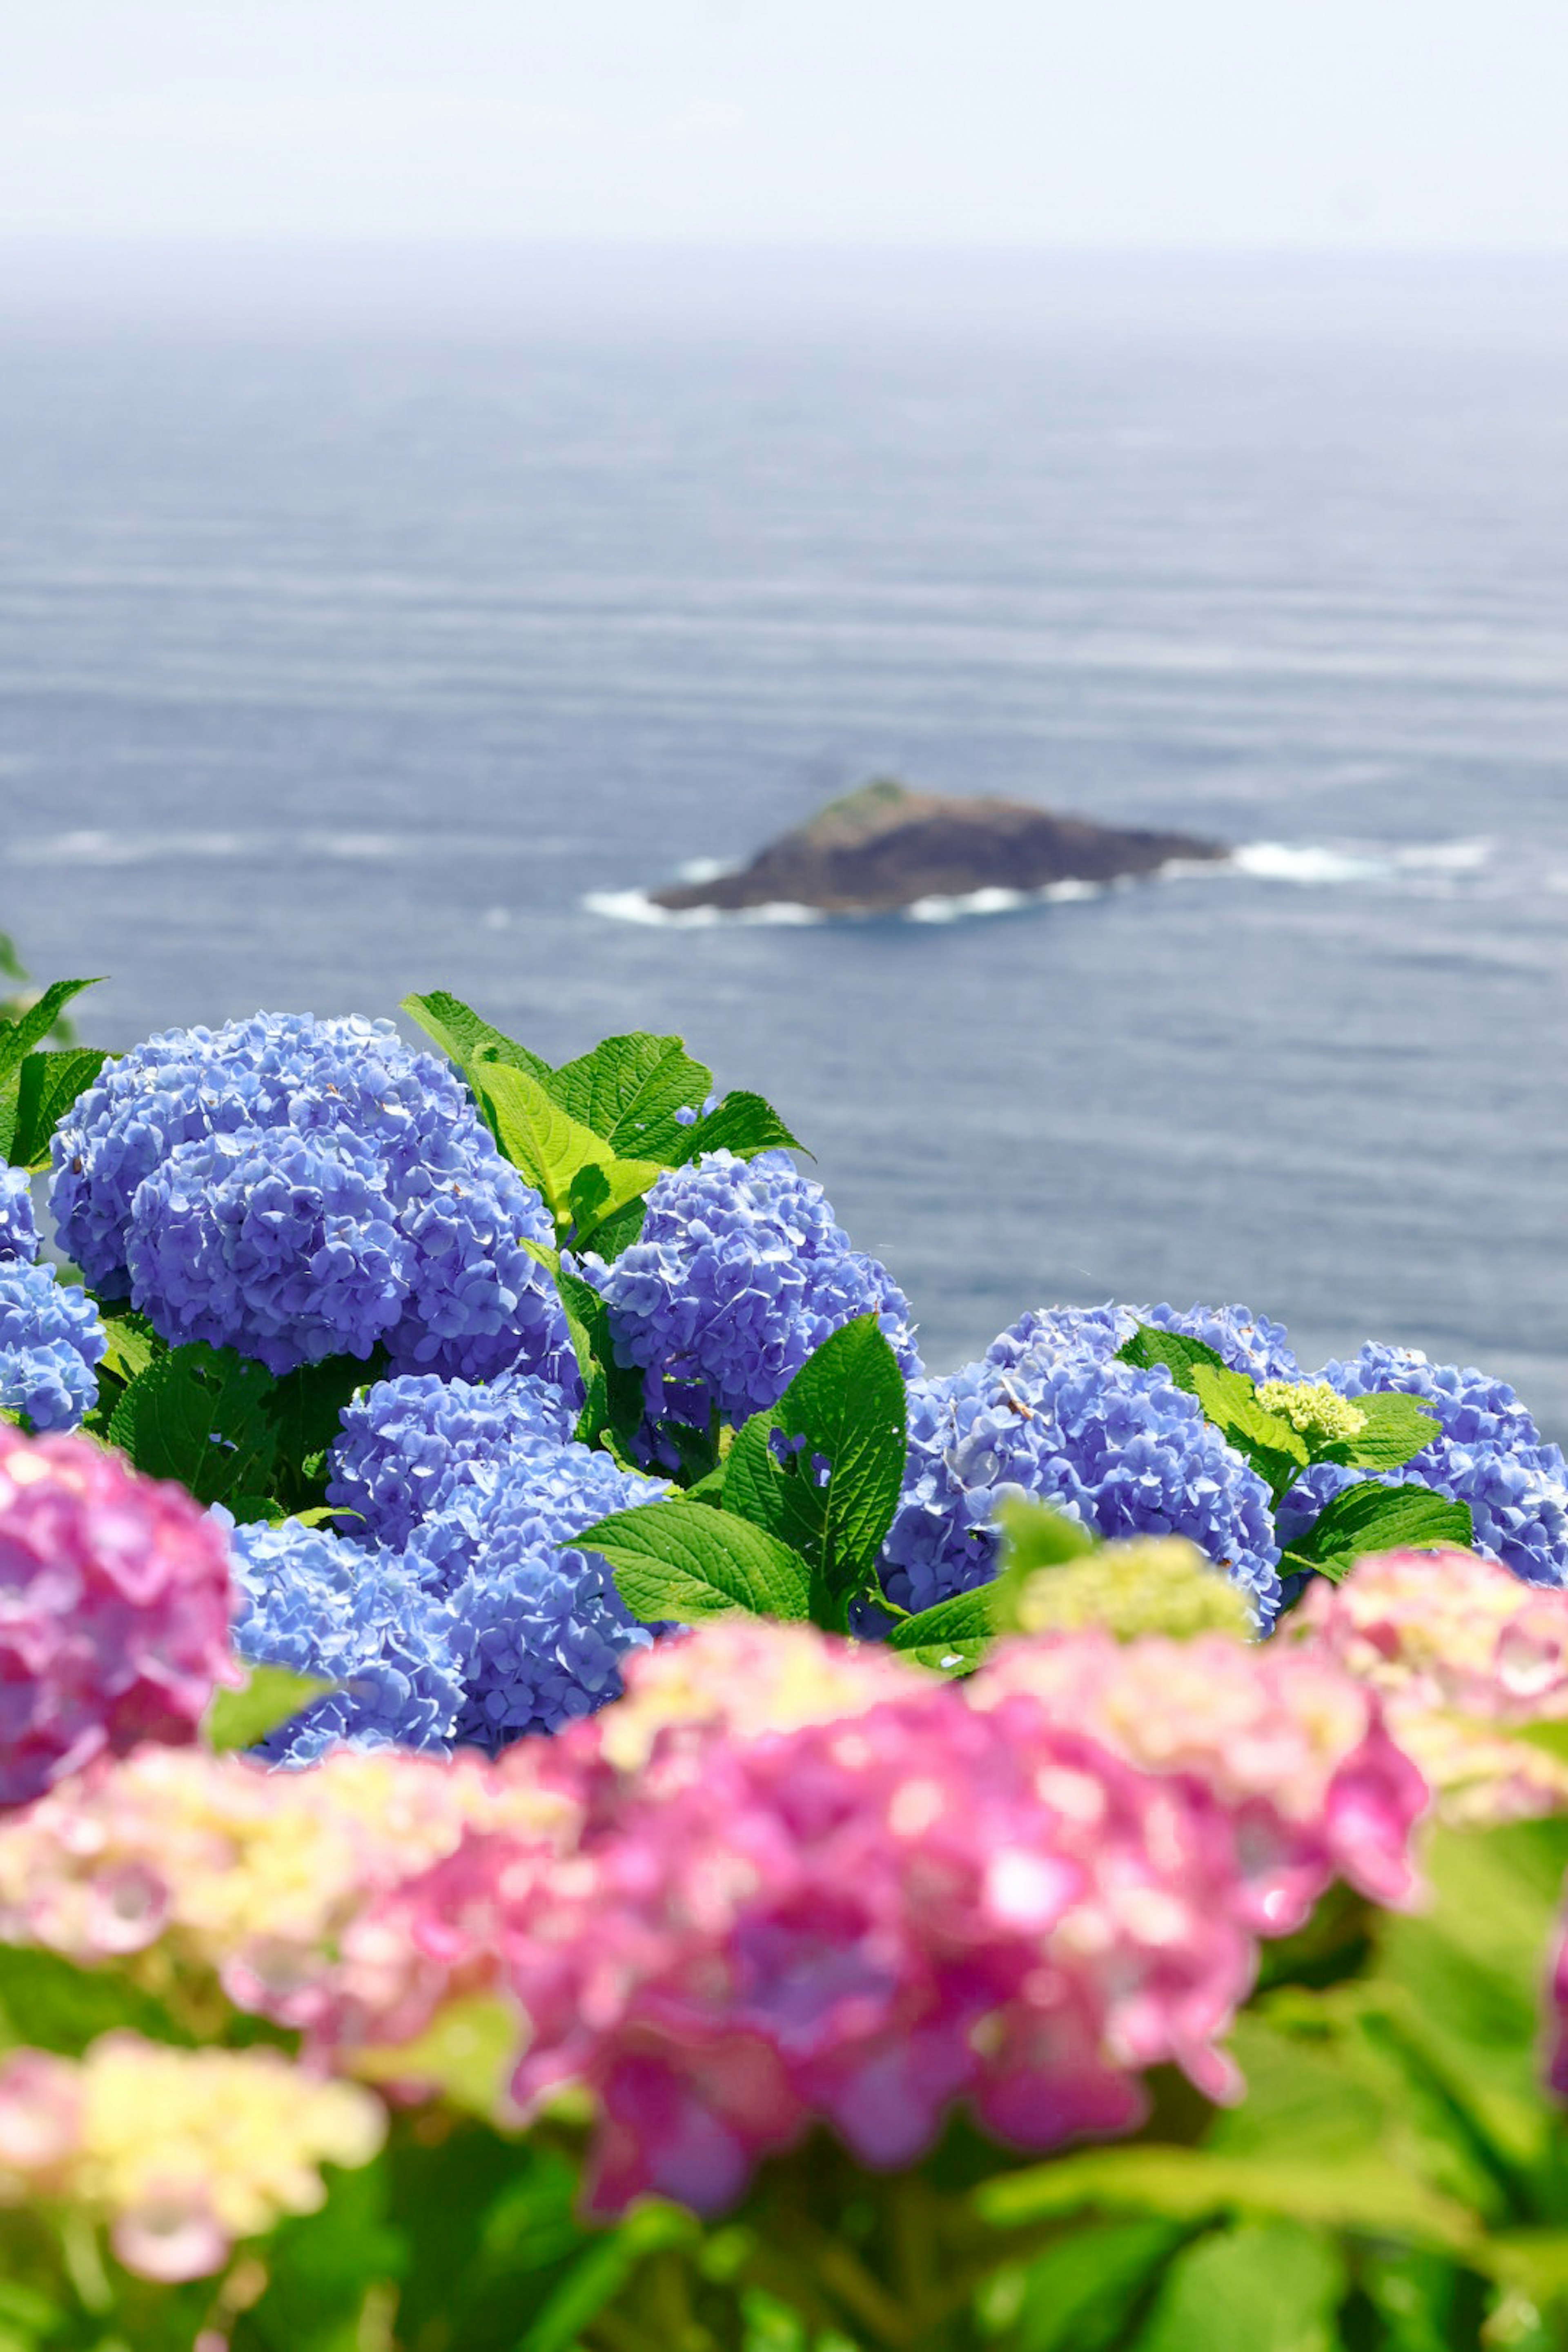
(558,1789)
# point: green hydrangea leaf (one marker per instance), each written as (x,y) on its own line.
(468,1038)
(1230,1401)
(272,1696)
(45,1085)
(1180,1355)
(831,1488)
(200,1414)
(1371,1518)
(629,1089)
(132,1342)
(18,1037)
(554,1150)
(742,1123)
(1398,1427)
(682,1561)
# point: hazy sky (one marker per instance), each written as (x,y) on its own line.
(1426,123)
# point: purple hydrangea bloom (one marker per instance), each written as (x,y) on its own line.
(480,1301)
(51,1343)
(388,1210)
(19,1228)
(1122,1451)
(405,1442)
(740,1272)
(278,1244)
(1248,1343)
(540,1629)
(1489,1455)
(355,1614)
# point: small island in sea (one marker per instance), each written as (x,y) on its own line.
(885,847)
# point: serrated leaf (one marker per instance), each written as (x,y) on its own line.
(271,1696)
(46,1084)
(629,1089)
(199,1415)
(830,1489)
(1230,1401)
(684,1561)
(964,1617)
(1181,1356)
(951,1638)
(132,1342)
(1398,1427)
(1371,1518)
(742,1123)
(550,1147)
(18,1037)
(460,1033)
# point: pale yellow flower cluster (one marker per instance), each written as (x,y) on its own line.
(181,2151)
(1161,1584)
(220,1865)
(1313,1410)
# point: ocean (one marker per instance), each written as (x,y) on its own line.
(396,629)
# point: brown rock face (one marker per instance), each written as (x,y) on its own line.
(884,846)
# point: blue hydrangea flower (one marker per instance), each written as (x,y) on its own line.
(1122,1451)
(19,1228)
(480,1301)
(1489,1455)
(51,1342)
(1248,1343)
(355,1614)
(278,1244)
(740,1272)
(540,1629)
(405,1441)
(401,1218)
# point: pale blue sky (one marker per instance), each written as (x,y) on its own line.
(1429,124)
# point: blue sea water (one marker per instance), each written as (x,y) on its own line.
(352,642)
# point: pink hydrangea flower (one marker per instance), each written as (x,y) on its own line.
(114,1610)
(1461,1655)
(1290,1748)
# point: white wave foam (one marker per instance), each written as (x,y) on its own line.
(92,847)
(1316,866)
(636,907)
(1308,867)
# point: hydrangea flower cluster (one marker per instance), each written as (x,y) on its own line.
(296,1189)
(740,1272)
(405,1442)
(1051,1416)
(228,1869)
(319,1604)
(1489,1454)
(19,1227)
(1285,1741)
(52,1341)
(485,1622)
(181,2151)
(1462,1656)
(114,1609)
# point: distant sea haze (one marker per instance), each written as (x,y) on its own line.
(349,649)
